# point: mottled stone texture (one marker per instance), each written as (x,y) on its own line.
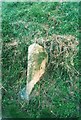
(37,59)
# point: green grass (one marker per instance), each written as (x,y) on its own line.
(53,96)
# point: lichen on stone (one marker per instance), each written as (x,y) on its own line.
(35,60)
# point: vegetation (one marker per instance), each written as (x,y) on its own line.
(57,93)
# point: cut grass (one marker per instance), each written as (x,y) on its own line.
(53,96)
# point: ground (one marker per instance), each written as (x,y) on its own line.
(22,23)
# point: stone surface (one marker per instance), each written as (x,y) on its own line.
(37,60)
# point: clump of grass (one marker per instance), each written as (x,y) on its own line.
(63,50)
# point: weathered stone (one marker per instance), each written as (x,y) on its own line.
(37,59)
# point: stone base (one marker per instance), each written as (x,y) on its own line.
(23,94)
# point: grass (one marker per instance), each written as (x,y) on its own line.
(22,23)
